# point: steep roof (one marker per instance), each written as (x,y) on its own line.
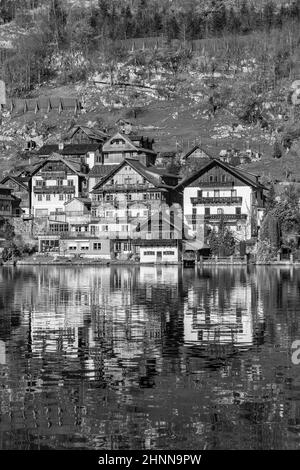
(102,170)
(92,133)
(69,149)
(86,201)
(74,166)
(129,139)
(247,178)
(22,181)
(151,174)
(197,147)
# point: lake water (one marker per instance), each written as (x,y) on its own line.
(149,358)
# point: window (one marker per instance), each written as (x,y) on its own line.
(217,193)
(60,182)
(233,193)
(38,182)
(97,246)
(61,197)
(48,197)
(58,227)
(149,253)
(72,248)
(220,211)
(199,193)
(84,247)
(207,211)
(238,211)
(94,212)
(211,178)
(169,253)
(157,195)
(223,178)
(128,197)
(104,228)
(145,196)
(70,183)
(40,197)
(118,246)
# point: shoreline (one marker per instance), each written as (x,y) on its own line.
(48,261)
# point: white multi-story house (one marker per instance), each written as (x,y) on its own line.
(54,182)
(221,192)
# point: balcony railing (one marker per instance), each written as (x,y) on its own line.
(125,187)
(226,216)
(53,189)
(209,184)
(217,200)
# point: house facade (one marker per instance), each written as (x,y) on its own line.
(130,195)
(9,204)
(54,182)
(220,192)
(79,246)
(20,187)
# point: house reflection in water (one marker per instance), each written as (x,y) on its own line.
(220,314)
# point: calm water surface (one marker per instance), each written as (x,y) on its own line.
(149,358)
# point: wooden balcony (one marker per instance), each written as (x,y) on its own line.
(225,216)
(217,200)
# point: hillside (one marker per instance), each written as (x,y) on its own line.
(231,93)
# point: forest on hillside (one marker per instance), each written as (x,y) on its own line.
(184,20)
(99,32)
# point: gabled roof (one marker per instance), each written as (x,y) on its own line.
(84,200)
(196,147)
(74,166)
(22,181)
(151,174)
(102,170)
(69,149)
(249,179)
(129,139)
(95,134)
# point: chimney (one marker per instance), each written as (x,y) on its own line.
(61,146)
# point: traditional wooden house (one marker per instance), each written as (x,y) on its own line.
(221,192)
(130,195)
(85,153)
(55,181)
(9,204)
(122,146)
(20,186)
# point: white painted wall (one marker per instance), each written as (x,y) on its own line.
(56,202)
(244,227)
(149,254)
